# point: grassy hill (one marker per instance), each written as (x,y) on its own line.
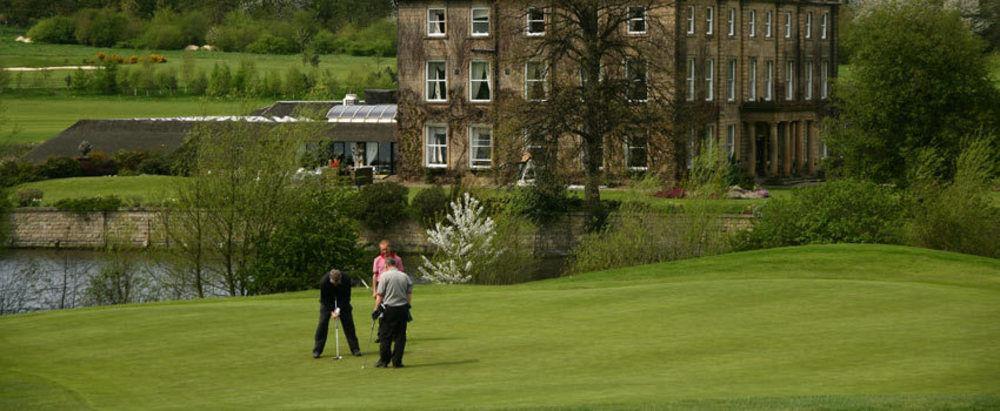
(843,326)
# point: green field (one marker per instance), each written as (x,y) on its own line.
(135,189)
(14,54)
(36,119)
(818,327)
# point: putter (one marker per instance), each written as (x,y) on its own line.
(371,338)
(336,336)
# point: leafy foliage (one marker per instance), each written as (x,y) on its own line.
(56,29)
(89,204)
(465,244)
(430,205)
(382,205)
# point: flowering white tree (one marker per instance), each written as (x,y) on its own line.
(465,244)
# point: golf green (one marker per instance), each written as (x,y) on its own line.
(832,327)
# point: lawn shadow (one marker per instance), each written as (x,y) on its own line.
(438,364)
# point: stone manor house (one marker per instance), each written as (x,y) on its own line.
(761,68)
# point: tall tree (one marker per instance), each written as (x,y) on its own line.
(605,76)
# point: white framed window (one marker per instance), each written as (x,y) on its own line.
(536,87)
(824,151)
(690,79)
(638,76)
(809,25)
(790,81)
(535,21)
(480,85)
(710,80)
(752,74)
(690,19)
(809,80)
(710,21)
(731,81)
(480,146)
(637,20)
(480,22)
(436,143)
(769,82)
(824,80)
(437,25)
(788,24)
(823,25)
(768,19)
(730,146)
(637,152)
(732,22)
(753,23)
(437,81)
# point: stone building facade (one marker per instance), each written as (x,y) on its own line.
(760,69)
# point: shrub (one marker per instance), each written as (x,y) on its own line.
(101,27)
(635,234)
(16,172)
(155,163)
(98,164)
(465,244)
(29,197)
(430,205)
(271,44)
(60,167)
(324,42)
(542,203)
(88,204)
(234,34)
(162,36)
(382,205)
(844,211)
(128,161)
(57,29)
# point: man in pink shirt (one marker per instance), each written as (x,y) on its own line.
(379,266)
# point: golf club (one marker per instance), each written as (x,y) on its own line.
(371,336)
(336,333)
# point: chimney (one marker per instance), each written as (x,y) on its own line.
(350,99)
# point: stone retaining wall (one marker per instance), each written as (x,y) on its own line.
(51,228)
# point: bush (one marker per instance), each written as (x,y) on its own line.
(271,44)
(128,161)
(382,205)
(155,163)
(57,29)
(430,205)
(235,33)
(29,197)
(324,42)
(101,27)
(16,172)
(88,204)
(162,36)
(98,164)
(60,167)
(844,211)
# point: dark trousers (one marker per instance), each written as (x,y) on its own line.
(392,331)
(347,322)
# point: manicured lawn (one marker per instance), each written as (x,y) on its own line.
(140,189)
(843,326)
(36,119)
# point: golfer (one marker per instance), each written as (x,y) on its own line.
(379,266)
(335,302)
(392,302)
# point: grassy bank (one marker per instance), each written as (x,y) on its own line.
(136,189)
(813,327)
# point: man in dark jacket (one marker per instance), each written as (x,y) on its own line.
(335,301)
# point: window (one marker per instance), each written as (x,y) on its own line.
(809,80)
(536,86)
(824,80)
(480,146)
(437,146)
(690,19)
(536,21)
(731,81)
(732,22)
(730,140)
(767,23)
(752,95)
(479,81)
(788,24)
(790,81)
(436,26)
(635,70)
(690,80)
(480,22)
(710,80)
(809,25)
(710,21)
(636,148)
(769,83)
(637,20)
(823,25)
(753,23)
(437,81)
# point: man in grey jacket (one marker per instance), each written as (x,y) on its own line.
(394,295)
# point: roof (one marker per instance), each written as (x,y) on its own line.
(362,113)
(296,108)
